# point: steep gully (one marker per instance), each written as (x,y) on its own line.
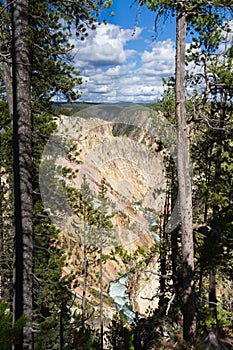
(129,159)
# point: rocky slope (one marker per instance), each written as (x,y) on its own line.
(127,156)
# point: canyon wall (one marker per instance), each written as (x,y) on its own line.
(128,158)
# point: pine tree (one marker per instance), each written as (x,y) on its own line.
(211,117)
(53,298)
(183,165)
(27,34)
(9,334)
(22,151)
(50,26)
(104,226)
(209,18)
(82,204)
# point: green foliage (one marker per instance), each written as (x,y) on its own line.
(160,5)
(108,3)
(86,339)
(119,334)
(51,72)
(205,318)
(50,55)
(166,103)
(51,290)
(69,108)
(210,113)
(51,25)
(9,334)
(6,203)
(206,20)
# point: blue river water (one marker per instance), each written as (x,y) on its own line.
(121,298)
(118,289)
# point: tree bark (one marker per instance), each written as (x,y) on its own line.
(212,295)
(163,251)
(22,153)
(184,181)
(85,268)
(7,78)
(1,242)
(6,71)
(217,185)
(101,292)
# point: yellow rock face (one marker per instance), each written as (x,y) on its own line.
(135,180)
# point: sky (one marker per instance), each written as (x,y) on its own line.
(125,59)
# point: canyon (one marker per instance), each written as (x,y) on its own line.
(121,146)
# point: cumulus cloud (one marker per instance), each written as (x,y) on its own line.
(160,60)
(105,46)
(113,72)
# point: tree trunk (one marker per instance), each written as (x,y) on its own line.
(184,181)
(174,237)
(6,72)
(212,295)
(7,78)
(217,179)
(85,268)
(163,251)
(1,241)
(101,292)
(22,152)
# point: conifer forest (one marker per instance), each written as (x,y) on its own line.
(116,219)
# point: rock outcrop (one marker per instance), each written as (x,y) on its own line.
(127,157)
(143,287)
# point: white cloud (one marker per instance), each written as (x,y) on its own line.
(112,72)
(160,58)
(105,46)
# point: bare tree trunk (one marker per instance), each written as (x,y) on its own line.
(7,78)
(184,181)
(175,251)
(85,268)
(163,251)
(212,295)
(101,292)
(1,241)
(22,151)
(6,71)
(217,178)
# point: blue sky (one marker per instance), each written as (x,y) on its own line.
(125,59)
(119,65)
(127,14)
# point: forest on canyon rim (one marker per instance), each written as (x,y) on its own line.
(53,288)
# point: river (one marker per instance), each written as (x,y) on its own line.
(118,288)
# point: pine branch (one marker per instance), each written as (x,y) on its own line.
(4,8)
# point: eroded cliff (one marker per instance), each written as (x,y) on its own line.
(127,157)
